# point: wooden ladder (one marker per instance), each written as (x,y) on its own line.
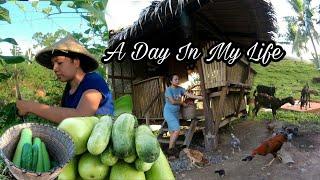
(187,136)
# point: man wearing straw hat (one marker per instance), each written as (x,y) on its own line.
(86,92)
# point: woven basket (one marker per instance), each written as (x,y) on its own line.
(59,145)
(188,111)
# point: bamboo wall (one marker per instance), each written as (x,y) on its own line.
(239,73)
(214,73)
(229,106)
(144,92)
(217,74)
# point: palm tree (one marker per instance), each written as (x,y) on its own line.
(301,28)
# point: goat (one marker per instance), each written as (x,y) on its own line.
(305,97)
(265,100)
(265,89)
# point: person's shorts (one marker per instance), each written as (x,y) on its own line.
(172,119)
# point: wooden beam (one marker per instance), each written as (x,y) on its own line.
(231,89)
(239,102)
(120,77)
(190,132)
(220,113)
(209,139)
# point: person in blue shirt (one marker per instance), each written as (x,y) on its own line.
(86,92)
(173,101)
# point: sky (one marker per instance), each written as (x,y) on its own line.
(119,14)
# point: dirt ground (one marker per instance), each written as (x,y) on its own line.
(304,149)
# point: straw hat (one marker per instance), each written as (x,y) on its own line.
(67,46)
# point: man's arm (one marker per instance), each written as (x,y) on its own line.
(88,105)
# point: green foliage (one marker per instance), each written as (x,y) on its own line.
(45,40)
(34,80)
(9,40)
(47,10)
(12,59)
(288,77)
(301,28)
(123,105)
(2,167)
(4,15)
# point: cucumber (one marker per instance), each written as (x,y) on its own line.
(130,159)
(160,169)
(53,163)
(107,157)
(123,135)
(25,137)
(37,142)
(26,156)
(35,154)
(100,136)
(147,145)
(142,166)
(45,155)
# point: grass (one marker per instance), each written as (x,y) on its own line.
(289,77)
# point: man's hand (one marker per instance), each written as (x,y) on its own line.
(23,107)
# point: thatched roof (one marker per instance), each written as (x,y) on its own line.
(242,21)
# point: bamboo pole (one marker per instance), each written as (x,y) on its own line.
(209,139)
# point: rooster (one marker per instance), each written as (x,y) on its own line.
(270,146)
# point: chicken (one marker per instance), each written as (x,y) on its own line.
(196,157)
(270,125)
(270,146)
(221,172)
(235,143)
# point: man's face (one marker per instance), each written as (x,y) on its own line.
(65,68)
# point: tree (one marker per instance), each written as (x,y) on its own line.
(301,28)
(45,40)
(16,50)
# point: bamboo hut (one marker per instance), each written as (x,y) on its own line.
(171,23)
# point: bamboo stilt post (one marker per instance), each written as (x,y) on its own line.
(209,139)
(220,113)
(239,102)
